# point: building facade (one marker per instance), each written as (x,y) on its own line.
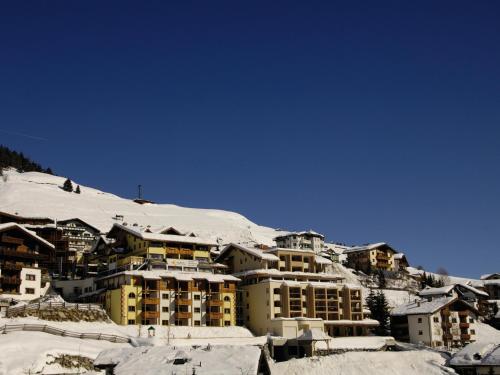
(282,290)
(379,256)
(443,322)
(20,253)
(301,240)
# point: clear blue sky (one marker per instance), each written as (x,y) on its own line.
(374,121)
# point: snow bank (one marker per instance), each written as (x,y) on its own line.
(367,363)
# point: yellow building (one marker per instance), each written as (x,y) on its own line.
(137,247)
(378,256)
(169,297)
(283,290)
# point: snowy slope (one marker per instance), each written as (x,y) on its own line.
(39,194)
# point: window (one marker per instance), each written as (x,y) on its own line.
(277,290)
(30,291)
(453,320)
(164,322)
(197,310)
(420,333)
(248,306)
(227,299)
(227,311)
(131,295)
(471,320)
(131,308)
(436,319)
(420,320)
(164,309)
(131,321)
(197,323)
(164,296)
(472,331)
(227,323)
(30,277)
(197,297)
(277,303)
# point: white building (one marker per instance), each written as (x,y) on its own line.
(446,321)
(301,240)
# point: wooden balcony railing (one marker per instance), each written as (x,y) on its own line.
(215,315)
(151,314)
(183,315)
(183,301)
(151,301)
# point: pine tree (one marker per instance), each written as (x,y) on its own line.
(77,190)
(68,186)
(381,279)
(383,315)
(370,300)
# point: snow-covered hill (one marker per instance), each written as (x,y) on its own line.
(39,194)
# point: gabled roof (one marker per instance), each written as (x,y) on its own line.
(372,246)
(481,353)
(448,288)
(80,221)
(172,230)
(303,233)
(249,250)
(427,307)
(159,237)
(490,276)
(7,226)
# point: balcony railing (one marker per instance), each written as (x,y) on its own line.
(151,301)
(183,315)
(183,301)
(464,325)
(465,336)
(151,314)
(215,315)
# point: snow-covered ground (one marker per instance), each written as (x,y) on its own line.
(29,352)
(40,195)
(367,363)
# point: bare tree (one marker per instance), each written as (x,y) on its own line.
(444,275)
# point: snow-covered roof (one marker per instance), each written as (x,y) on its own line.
(346,322)
(216,360)
(368,247)
(162,237)
(256,252)
(490,275)
(428,291)
(275,249)
(320,260)
(448,288)
(178,275)
(8,226)
(80,221)
(399,256)
(303,233)
(314,334)
(275,272)
(426,307)
(481,353)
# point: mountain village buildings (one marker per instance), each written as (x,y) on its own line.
(445,321)
(20,253)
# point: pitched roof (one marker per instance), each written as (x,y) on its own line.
(81,221)
(254,251)
(303,233)
(161,237)
(426,307)
(7,226)
(448,288)
(372,246)
(481,353)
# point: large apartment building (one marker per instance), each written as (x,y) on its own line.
(165,278)
(169,297)
(302,240)
(284,291)
(441,322)
(21,251)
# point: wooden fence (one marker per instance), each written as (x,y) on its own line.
(52,305)
(62,332)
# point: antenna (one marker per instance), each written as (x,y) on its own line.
(139,188)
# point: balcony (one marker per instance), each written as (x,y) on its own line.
(151,314)
(464,325)
(215,302)
(465,336)
(445,312)
(183,302)
(448,336)
(183,315)
(151,301)
(463,313)
(446,325)
(215,315)
(20,254)
(12,280)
